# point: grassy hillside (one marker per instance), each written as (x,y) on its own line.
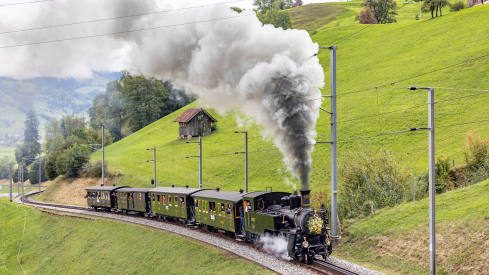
(397,239)
(375,56)
(64,245)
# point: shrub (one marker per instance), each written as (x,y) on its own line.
(318,198)
(457,6)
(476,151)
(377,177)
(367,16)
(94,170)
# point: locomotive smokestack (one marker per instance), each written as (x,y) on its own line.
(306,198)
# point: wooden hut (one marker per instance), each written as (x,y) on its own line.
(195,122)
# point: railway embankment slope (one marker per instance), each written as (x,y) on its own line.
(397,239)
(63,245)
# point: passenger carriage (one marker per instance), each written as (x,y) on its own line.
(212,210)
(132,199)
(100,196)
(174,202)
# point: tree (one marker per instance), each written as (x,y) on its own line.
(297,3)
(30,147)
(63,129)
(236,9)
(34,172)
(148,100)
(457,6)
(384,10)
(264,5)
(276,17)
(367,16)
(70,161)
(441,4)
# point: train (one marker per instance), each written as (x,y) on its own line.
(280,215)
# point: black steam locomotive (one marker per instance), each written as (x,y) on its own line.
(245,216)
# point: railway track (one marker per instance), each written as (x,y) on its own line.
(331,268)
(317,266)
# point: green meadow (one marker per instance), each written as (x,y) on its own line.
(64,245)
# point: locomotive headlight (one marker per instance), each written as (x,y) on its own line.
(305,244)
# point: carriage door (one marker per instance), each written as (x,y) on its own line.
(247,215)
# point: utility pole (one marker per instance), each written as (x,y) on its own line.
(103,156)
(334,145)
(432,192)
(22,177)
(432,175)
(40,151)
(10,179)
(200,159)
(18,180)
(154,165)
(246,158)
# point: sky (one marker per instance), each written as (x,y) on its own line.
(24,25)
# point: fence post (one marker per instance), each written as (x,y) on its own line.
(372,208)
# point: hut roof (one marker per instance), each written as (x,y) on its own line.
(191,113)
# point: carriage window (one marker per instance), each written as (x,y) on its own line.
(229,210)
(196,204)
(212,207)
(163,199)
(169,200)
(176,201)
(182,201)
(139,195)
(158,198)
(222,210)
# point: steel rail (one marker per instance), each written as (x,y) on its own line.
(333,269)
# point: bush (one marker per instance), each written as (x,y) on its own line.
(94,170)
(377,177)
(457,6)
(476,152)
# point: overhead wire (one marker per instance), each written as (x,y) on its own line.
(119,17)
(23,3)
(121,32)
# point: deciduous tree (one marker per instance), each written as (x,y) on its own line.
(384,10)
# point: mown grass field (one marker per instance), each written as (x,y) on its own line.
(396,240)
(65,245)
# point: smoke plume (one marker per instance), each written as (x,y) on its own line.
(232,64)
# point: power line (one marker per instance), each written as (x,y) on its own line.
(381,114)
(464,123)
(351,35)
(398,82)
(23,3)
(119,17)
(130,31)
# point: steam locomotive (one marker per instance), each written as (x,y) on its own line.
(280,215)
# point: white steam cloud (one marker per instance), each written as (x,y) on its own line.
(275,246)
(233,64)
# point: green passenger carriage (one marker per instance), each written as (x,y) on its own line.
(132,199)
(173,202)
(100,196)
(218,210)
